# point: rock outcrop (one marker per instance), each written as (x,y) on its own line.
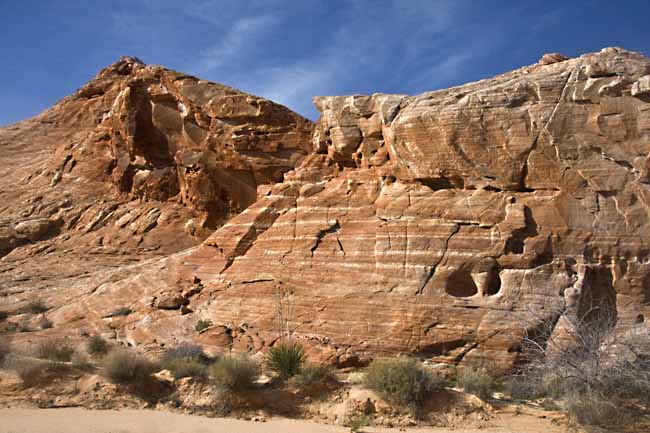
(435,225)
(139,163)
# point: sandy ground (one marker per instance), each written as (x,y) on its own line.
(75,420)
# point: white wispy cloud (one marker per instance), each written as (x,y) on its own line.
(236,41)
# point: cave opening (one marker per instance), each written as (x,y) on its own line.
(460,284)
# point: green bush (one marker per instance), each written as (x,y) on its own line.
(123,311)
(5,350)
(96,345)
(477,380)
(35,306)
(285,359)
(234,373)
(202,324)
(403,381)
(121,366)
(356,423)
(54,351)
(311,375)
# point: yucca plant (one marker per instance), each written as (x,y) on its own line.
(286,359)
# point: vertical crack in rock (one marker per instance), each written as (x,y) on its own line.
(433,267)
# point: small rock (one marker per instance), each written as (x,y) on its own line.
(641,87)
(550,58)
(170,301)
(165,376)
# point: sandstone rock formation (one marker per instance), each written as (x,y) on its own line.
(141,162)
(434,225)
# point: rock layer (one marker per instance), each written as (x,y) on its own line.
(443,225)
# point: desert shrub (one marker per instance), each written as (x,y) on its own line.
(121,312)
(96,345)
(234,373)
(285,359)
(357,422)
(54,351)
(186,360)
(45,324)
(202,324)
(185,350)
(597,367)
(356,378)
(521,387)
(594,409)
(81,361)
(187,367)
(3,315)
(5,350)
(35,306)
(38,372)
(477,380)
(403,381)
(311,375)
(124,367)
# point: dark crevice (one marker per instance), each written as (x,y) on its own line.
(515,245)
(442,182)
(321,234)
(440,349)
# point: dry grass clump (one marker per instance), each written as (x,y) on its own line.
(313,375)
(477,380)
(234,373)
(38,373)
(403,381)
(54,351)
(124,367)
(186,360)
(97,346)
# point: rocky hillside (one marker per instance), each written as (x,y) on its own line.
(435,225)
(141,162)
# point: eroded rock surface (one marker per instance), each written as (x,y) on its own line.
(140,163)
(434,225)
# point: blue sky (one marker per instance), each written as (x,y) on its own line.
(291,50)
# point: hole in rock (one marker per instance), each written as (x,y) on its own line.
(494,283)
(460,284)
(597,304)
(640,318)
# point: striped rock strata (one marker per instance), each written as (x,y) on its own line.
(442,225)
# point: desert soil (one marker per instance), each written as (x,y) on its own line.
(77,420)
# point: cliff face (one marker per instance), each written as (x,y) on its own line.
(435,225)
